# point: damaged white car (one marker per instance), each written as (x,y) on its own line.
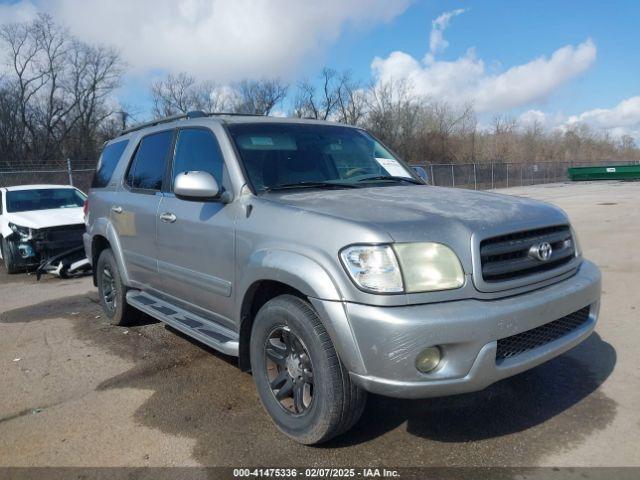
(41,227)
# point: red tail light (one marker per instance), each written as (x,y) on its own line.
(85,208)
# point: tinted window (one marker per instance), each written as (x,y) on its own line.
(148,166)
(198,150)
(43,199)
(107,163)
(283,154)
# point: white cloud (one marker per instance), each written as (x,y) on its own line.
(466,79)
(531,117)
(220,39)
(437,43)
(623,119)
(17,12)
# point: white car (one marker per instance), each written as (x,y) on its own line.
(39,222)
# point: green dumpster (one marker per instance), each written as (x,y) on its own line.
(608,172)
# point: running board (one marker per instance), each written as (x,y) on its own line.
(205,331)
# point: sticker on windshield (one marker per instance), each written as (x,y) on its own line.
(393,167)
(262,141)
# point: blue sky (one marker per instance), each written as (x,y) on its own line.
(512,33)
(558,62)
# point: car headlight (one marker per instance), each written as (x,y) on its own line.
(405,267)
(23,233)
(427,267)
(577,248)
(373,268)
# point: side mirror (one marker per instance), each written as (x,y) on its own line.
(422,173)
(196,186)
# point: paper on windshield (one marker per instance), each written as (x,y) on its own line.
(393,167)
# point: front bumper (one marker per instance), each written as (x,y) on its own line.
(388,339)
(46,243)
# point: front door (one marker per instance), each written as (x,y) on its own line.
(196,238)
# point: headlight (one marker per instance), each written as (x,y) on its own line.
(405,267)
(23,233)
(576,244)
(373,268)
(427,267)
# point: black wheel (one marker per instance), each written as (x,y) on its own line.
(9,256)
(300,379)
(112,292)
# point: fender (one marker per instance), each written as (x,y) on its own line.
(105,228)
(311,279)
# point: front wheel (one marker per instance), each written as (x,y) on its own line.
(10,256)
(300,379)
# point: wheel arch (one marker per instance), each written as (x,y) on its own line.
(273,273)
(103,235)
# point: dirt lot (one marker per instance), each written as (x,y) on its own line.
(75,391)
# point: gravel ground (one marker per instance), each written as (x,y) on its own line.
(76,391)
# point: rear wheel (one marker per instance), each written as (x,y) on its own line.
(112,292)
(300,379)
(10,256)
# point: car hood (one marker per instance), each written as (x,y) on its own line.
(47,218)
(425,213)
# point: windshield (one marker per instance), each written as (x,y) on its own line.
(43,199)
(287,154)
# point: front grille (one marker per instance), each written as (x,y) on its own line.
(536,337)
(55,240)
(508,257)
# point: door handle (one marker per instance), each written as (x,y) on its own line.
(168,217)
(116,209)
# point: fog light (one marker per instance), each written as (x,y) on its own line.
(26,251)
(428,359)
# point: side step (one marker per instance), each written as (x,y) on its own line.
(205,331)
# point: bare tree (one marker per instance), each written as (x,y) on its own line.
(55,91)
(352,100)
(259,97)
(182,93)
(310,103)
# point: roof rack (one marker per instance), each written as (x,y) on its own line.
(192,114)
(236,114)
(158,121)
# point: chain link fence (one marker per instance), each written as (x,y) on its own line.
(79,175)
(478,176)
(486,176)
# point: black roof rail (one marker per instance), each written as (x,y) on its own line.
(158,121)
(236,114)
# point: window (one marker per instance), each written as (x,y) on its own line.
(198,150)
(43,199)
(148,166)
(281,154)
(107,163)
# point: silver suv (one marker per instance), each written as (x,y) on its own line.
(323,262)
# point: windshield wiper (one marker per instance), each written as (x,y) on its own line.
(287,186)
(392,178)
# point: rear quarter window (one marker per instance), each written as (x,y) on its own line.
(107,163)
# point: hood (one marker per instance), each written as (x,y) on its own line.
(424,213)
(47,218)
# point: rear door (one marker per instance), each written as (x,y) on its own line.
(135,207)
(196,238)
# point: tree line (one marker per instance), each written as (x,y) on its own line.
(57,102)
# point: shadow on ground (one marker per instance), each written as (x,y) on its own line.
(201,394)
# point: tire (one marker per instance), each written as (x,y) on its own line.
(328,406)
(112,292)
(9,257)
